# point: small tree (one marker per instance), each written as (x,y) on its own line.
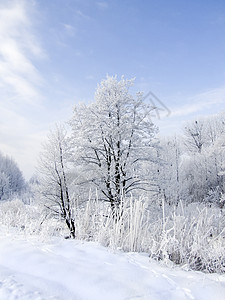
(113,140)
(195,136)
(54,182)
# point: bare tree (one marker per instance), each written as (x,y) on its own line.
(195,136)
(55,179)
(203,132)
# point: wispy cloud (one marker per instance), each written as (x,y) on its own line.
(18,46)
(210,100)
(81,14)
(20,82)
(203,104)
(102,4)
(69,29)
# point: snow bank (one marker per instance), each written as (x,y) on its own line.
(70,269)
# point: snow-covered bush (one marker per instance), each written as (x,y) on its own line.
(29,220)
(192,236)
(129,231)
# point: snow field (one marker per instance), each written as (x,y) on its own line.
(68,269)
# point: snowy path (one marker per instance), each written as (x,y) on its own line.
(66,269)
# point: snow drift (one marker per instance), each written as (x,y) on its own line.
(69,269)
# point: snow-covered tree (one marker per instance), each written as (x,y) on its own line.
(195,136)
(55,179)
(4,185)
(11,178)
(202,163)
(203,132)
(168,181)
(113,140)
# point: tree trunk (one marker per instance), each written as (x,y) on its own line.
(71,225)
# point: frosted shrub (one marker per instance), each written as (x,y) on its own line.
(88,219)
(17,215)
(192,236)
(128,232)
(28,219)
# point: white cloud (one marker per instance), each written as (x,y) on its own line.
(102,4)
(210,102)
(20,83)
(17,48)
(82,15)
(212,99)
(70,30)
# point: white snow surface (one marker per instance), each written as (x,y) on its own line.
(70,269)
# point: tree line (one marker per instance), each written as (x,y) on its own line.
(11,178)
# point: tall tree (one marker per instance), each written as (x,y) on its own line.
(113,140)
(169,170)
(55,179)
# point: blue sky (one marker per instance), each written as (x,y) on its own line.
(53,53)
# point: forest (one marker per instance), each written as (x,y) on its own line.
(107,175)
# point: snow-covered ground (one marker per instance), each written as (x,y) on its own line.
(68,269)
